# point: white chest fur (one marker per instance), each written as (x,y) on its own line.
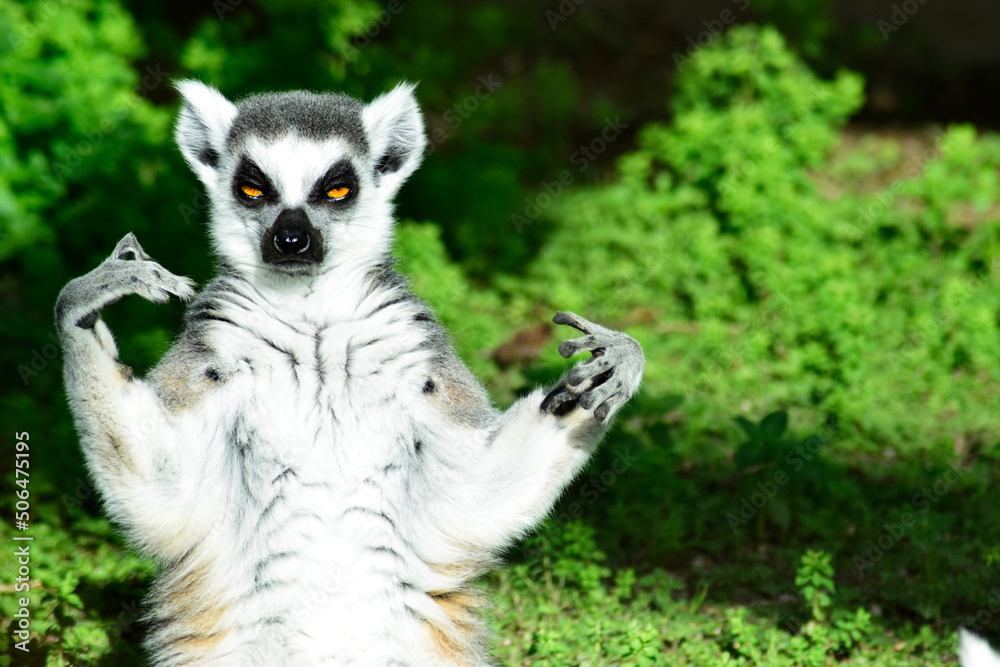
(324,472)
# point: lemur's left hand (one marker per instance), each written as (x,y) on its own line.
(127,271)
(605,381)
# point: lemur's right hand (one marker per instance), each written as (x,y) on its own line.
(127,271)
(605,381)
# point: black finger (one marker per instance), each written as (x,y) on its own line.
(568,348)
(559,401)
(575,321)
(597,368)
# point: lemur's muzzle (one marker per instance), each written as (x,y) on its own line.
(292,240)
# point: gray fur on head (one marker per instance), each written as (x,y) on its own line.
(390,127)
(314,116)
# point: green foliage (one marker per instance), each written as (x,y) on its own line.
(222,48)
(86,590)
(808,20)
(564,616)
(552,599)
(68,86)
(815,581)
(719,235)
(469,314)
(818,310)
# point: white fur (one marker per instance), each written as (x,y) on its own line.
(271,462)
(973,651)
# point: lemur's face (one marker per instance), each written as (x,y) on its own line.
(298,197)
(300,182)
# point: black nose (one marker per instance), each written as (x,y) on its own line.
(292,242)
(292,232)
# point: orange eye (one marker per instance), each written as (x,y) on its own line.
(251,191)
(338,192)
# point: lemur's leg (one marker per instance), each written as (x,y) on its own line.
(128,440)
(544,439)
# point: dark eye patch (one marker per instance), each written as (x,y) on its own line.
(247,173)
(341,174)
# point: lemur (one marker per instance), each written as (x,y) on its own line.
(318,475)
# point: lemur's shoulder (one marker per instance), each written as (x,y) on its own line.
(188,370)
(451,385)
(192,366)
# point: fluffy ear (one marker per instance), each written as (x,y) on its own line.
(395,130)
(205,119)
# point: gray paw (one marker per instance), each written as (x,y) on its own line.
(128,270)
(605,381)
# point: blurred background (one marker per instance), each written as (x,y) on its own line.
(794,206)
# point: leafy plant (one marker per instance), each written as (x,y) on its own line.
(814,579)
